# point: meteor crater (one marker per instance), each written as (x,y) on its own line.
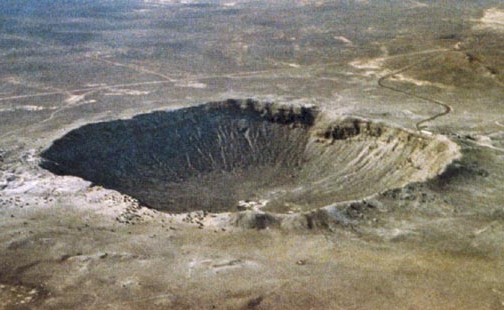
(220,155)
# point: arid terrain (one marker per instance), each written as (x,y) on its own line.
(239,154)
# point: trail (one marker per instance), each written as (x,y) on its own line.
(133,67)
(90,89)
(236,75)
(446,108)
(8,98)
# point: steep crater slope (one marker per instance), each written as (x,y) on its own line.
(219,155)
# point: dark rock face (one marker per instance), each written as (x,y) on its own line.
(211,156)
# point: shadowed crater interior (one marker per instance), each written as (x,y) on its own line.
(216,156)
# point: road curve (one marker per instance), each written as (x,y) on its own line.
(446,108)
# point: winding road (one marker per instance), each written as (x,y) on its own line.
(446,108)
